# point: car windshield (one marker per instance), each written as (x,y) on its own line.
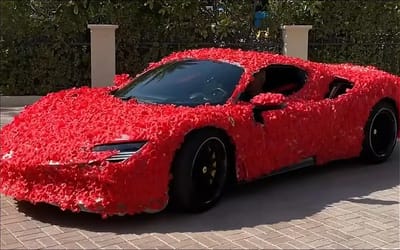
(188,82)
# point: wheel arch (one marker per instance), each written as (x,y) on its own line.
(396,105)
(230,143)
(369,153)
(178,199)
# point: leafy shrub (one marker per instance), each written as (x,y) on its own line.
(44,45)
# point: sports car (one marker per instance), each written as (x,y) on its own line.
(192,123)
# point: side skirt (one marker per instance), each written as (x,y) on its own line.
(308,162)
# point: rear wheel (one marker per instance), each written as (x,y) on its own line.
(380,133)
(200,171)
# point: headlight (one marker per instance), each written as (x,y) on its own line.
(126,150)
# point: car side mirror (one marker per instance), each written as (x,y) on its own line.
(268,101)
(264,102)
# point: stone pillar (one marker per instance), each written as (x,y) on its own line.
(295,40)
(102,54)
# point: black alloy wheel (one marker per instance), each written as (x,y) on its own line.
(380,133)
(200,171)
(209,169)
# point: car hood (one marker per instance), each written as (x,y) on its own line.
(63,127)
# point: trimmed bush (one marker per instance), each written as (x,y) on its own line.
(44,45)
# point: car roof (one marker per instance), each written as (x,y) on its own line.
(251,61)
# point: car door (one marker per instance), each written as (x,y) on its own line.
(343,132)
(293,134)
(293,131)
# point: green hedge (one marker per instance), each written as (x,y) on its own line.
(44,45)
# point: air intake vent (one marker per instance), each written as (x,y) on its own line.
(126,150)
(121,156)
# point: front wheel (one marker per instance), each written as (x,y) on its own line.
(380,133)
(200,171)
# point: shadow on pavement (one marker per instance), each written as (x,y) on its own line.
(370,201)
(295,195)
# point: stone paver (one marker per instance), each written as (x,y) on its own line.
(344,205)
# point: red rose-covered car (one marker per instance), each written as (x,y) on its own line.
(190,123)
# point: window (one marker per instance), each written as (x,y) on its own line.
(187,82)
(277,78)
(284,79)
(338,87)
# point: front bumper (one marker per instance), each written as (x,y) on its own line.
(107,189)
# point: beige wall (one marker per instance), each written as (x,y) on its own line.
(102,51)
(295,40)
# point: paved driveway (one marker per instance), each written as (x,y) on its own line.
(341,205)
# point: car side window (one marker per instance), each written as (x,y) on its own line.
(284,79)
(276,78)
(338,87)
(255,87)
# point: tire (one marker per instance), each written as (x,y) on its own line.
(200,171)
(380,133)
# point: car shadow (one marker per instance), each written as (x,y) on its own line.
(282,198)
